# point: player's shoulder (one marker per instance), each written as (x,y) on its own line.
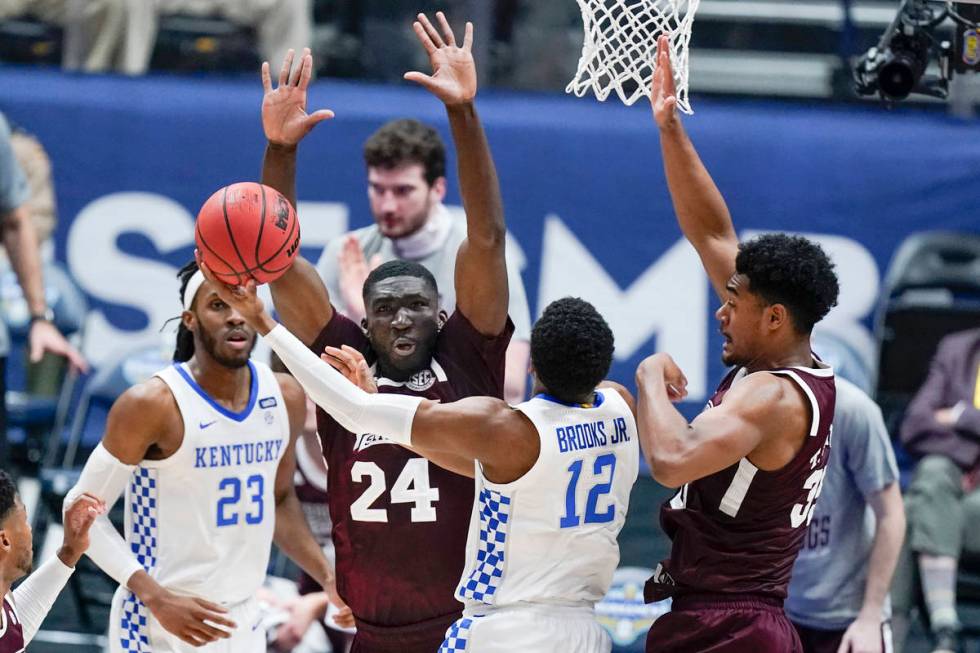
(290,388)
(148,402)
(620,390)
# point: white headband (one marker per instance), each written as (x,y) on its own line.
(190,291)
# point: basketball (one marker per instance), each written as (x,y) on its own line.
(247,230)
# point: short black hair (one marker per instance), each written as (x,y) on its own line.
(407,141)
(793,271)
(398,269)
(571,348)
(8,495)
(185,339)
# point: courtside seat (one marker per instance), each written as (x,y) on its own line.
(204,43)
(24,39)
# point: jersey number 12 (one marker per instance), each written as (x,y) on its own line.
(571,517)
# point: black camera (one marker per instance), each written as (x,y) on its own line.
(896,67)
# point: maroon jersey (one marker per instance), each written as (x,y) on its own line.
(738,531)
(11,632)
(310,482)
(399,522)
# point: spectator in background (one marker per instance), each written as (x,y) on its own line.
(406,175)
(93,29)
(279,25)
(40,204)
(21,243)
(942,427)
(838,595)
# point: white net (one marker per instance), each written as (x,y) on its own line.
(620,45)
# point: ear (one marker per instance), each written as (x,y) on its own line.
(438,189)
(189,320)
(776,317)
(364,326)
(441,319)
(5,543)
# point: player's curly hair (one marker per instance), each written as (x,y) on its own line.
(398,269)
(8,495)
(407,141)
(185,338)
(793,271)
(571,348)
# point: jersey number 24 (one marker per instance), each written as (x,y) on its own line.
(411,486)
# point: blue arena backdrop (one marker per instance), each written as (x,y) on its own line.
(582,181)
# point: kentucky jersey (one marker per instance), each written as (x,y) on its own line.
(201,521)
(550,537)
(738,531)
(11,632)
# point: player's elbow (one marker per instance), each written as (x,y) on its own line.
(666,470)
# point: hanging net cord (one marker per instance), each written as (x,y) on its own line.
(620,47)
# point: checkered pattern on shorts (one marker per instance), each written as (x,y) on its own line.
(483,581)
(143,543)
(456,636)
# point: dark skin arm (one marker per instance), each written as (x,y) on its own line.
(481,268)
(300,296)
(701,210)
(764,418)
(292,534)
(145,423)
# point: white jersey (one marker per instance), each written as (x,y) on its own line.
(201,521)
(550,537)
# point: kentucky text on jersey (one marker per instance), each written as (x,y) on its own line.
(245,453)
(590,435)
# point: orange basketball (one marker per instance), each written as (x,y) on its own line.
(247,230)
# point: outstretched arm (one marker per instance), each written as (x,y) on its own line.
(701,210)
(481,268)
(480,428)
(756,412)
(299,295)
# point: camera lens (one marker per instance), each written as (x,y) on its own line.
(897,77)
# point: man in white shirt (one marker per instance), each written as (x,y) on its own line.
(406,168)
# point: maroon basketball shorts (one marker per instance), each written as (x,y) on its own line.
(719,624)
(828,641)
(424,637)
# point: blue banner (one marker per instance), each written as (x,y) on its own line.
(583,185)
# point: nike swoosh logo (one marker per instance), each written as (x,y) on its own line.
(204,425)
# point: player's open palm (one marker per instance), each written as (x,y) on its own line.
(352,364)
(193,620)
(284,116)
(453,78)
(663,95)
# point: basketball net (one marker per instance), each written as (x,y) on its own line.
(620,47)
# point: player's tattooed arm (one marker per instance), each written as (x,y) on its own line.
(481,268)
(763,416)
(701,210)
(292,532)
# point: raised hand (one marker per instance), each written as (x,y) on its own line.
(354,269)
(243,299)
(78,518)
(284,116)
(663,95)
(453,78)
(352,364)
